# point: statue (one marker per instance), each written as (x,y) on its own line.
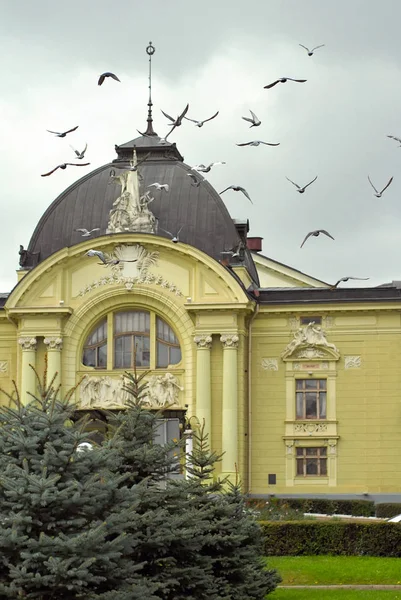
(27,259)
(311,336)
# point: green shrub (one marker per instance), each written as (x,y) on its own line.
(386,510)
(356,508)
(296,538)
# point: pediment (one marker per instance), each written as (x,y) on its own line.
(308,343)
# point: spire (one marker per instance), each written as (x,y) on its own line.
(150,50)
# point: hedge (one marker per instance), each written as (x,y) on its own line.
(294,538)
(356,508)
(386,510)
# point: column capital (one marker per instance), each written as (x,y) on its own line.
(229,340)
(28,343)
(203,341)
(53,343)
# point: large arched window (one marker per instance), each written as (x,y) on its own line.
(134,336)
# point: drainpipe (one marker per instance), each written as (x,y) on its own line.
(250,397)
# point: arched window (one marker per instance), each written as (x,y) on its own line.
(137,335)
(95,348)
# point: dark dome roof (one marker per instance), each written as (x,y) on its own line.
(206,223)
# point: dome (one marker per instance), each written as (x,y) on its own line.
(200,212)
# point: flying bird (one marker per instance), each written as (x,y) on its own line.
(206,169)
(64,166)
(201,123)
(63,133)
(379,194)
(310,52)
(174,238)
(299,188)
(106,258)
(315,233)
(86,232)
(397,139)
(254,120)
(238,188)
(162,141)
(283,80)
(160,186)
(107,74)
(176,122)
(235,251)
(194,181)
(79,154)
(347,279)
(257,143)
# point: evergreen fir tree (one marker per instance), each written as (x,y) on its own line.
(63,513)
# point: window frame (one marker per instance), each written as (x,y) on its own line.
(321,458)
(304,391)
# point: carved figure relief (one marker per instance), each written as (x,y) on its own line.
(310,342)
(352,362)
(269,364)
(130,211)
(106,392)
(3,367)
(310,428)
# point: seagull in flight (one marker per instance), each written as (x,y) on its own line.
(62,133)
(379,194)
(206,169)
(175,122)
(162,141)
(397,139)
(347,279)
(174,238)
(79,154)
(310,52)
(254,120)
(106,258)
(194,181)
(64,166)
(257,143)
(283,80)
(160,186)
(299,188)
(107,74)
(201,123)
(238,188)
(235,251)
(315,233)
(86,232)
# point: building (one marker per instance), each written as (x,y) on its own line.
(298,382)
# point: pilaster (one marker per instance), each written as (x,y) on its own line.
(54,346)
(28,376)
(203,382)
(230,405)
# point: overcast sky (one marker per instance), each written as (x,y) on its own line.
(217,56)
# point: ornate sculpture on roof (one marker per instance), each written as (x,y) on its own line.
(27,259)
(130,211)
(308,342)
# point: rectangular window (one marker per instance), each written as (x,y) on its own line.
(311,398)
(313,319)
(311,462)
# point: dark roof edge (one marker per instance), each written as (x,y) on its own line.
(277,262)
(327,295)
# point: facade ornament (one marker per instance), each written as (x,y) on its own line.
(3,366)
(310,428)
(53,343)
(130,210)
(293,322)
(332,444)
(27,259)
(203,341)
(107,392)
(328,321)
(352,362)
(311,342)
(28,343)
(229,340)
(269,364)
(290,446)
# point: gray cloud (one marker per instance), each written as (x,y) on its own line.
(217,58)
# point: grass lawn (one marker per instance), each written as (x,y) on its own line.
(334,595)
(336,570)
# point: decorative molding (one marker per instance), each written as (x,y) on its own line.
(332,444)
(310,342)
(293,322)
(290,446)
(130,265)
(229,340)
(106,392)
(28,343)
(53,343)
(269,364)
(3,366)
(310,428)
(304,366)
(352,362)
(328,322)
(203,341)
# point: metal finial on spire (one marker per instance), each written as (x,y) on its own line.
(150,50)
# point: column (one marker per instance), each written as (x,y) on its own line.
(230,404)
(203,382)
(28,376)
(54,345)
